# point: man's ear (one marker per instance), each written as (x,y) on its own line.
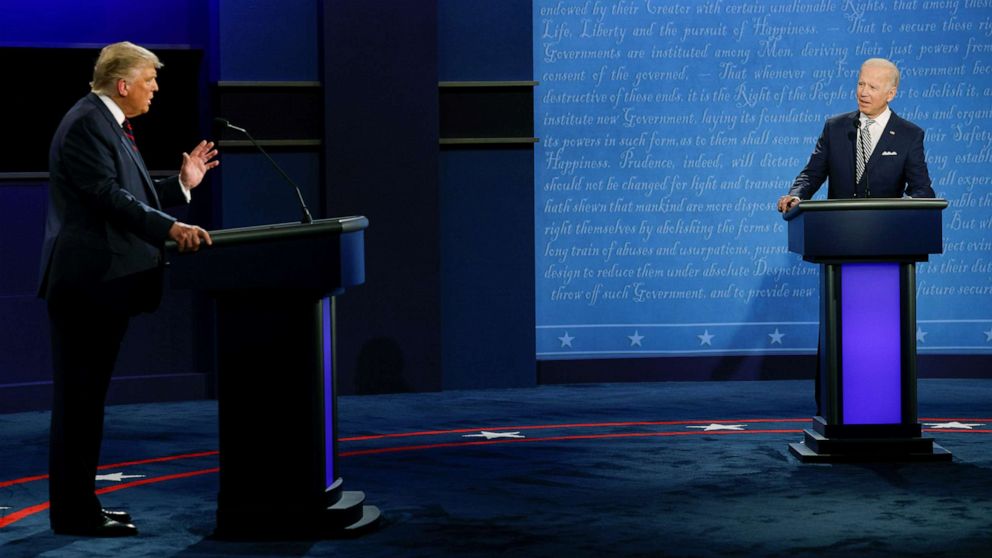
(122,88)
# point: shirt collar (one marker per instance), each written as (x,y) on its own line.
(882,119)
(114,109)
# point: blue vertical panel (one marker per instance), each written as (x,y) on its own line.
(268,40)
(327,355)
(487,272)
(483,40)
(98,22)
(871,356)
(256,194)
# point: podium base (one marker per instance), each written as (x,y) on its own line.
(348,517)
(868,443)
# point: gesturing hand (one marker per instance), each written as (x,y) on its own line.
(196,163)
(189,237)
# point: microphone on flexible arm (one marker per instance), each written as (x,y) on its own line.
(307,219)
(864,155)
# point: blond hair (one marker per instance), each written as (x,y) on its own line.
(120,61)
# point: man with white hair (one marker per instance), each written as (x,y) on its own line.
(102,262)
(868,153)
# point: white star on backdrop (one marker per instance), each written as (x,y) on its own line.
(635,339)
(5,508)
(776,336)
(491,435)
(117,477)
(954,425)
(566,340)
(988,335)
(706,338)
(921,336)
(709,427)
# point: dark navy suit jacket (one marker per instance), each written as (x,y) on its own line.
(897,166)
(104,215)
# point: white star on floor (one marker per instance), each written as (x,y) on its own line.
(709,427)
(988,335)
(566,340)
(776,336)
(706,338)
(491,435)
(921,336)
(954,425)
(117,477)
(635,339)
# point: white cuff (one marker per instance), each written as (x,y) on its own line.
(185,190)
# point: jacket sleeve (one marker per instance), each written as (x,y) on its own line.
(88,157)
(918,183)
(169,192)
(817,168)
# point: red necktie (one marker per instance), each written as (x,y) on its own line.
(129,132)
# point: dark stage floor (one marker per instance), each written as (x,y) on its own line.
(661,469)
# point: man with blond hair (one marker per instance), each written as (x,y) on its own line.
(102,263)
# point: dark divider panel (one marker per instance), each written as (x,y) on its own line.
(381,130)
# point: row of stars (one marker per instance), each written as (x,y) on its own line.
(706,338)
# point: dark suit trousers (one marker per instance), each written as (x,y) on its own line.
(86,332)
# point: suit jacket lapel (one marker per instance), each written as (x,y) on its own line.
(148,184)
(888,138)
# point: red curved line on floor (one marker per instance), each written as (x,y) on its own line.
(38,508)
(26,480)
(159,459)
(559,438)
(567,425)
(22,480)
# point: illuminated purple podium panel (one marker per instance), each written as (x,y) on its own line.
(867,251)
(274,288)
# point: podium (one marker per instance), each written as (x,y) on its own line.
(274,288)
(867,250)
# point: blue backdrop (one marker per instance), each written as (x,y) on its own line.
(668,131)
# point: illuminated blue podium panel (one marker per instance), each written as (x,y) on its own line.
(867,251)
(274,288)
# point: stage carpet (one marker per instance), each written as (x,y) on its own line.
(653,470)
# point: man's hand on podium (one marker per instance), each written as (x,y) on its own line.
(786,203)
(189,237)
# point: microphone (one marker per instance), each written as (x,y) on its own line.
(307,219)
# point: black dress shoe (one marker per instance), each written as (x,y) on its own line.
(104,527)
(117,515)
